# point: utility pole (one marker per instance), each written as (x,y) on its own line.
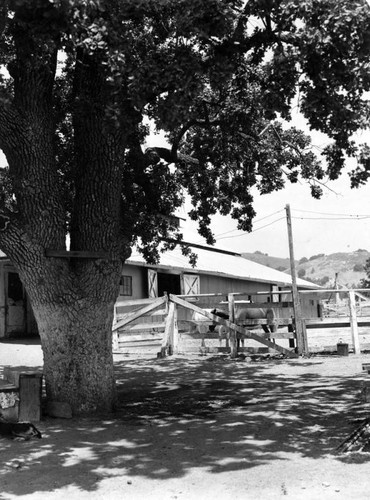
(302,344)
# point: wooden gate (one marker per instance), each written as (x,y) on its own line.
(170,329)
(237,332)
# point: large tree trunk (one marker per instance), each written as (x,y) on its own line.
(73,306)
(77,347)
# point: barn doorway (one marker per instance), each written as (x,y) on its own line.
(170,283)
(15,306)
(177,284)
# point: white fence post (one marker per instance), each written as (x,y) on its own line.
(233,339)
(115,343)
(175,332)
(353,320)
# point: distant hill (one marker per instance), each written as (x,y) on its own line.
(321,269)
(267,260)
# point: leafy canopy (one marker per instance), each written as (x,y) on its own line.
(217,77)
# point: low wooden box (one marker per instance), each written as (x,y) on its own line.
(28,385)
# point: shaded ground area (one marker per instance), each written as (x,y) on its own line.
(201,428)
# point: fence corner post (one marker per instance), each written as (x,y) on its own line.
(175,330)
(233,339)
(353,320)
(115,344)
(170,336)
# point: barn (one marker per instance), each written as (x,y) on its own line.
(216,271)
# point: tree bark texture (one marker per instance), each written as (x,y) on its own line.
(77,347)
(72,299)
(74,313)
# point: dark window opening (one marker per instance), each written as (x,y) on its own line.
(125,287)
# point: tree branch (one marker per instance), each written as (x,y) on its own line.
(172,155)
(167,155)
(180,135)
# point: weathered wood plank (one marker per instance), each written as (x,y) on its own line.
(128,337)
(76,254)
(144,327)
(143,341)
(248,322)
(233,339)
(154,316)
(30,388)
(137,345)
(215,335)
(201,295)
(134,302)
(140,312)
(335,322)
(169,329)
(226,350)
(276,321)
(267,305)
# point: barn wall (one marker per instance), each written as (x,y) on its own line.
(208,284)
(310,305)
(139,287)
(213,284)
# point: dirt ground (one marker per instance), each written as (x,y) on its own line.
(200,427)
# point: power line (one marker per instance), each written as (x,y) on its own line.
(333,218)
(301,218)
(330,213)
(267,216)
(217,236)
(266,225)
(330,217)
(253,231)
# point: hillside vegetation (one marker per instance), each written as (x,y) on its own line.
(346,268)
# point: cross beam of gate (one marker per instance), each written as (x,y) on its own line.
(135,315)
(232,326)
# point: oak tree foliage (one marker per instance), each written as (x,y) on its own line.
(217,77)
(84,81)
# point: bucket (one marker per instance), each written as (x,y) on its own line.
(366,367)
(342,349)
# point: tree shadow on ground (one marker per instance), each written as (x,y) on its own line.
(175,415)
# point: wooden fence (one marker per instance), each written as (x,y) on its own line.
(151,321)
(348,317)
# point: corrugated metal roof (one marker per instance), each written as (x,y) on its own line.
(231,266)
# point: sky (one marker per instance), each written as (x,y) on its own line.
(329,225)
